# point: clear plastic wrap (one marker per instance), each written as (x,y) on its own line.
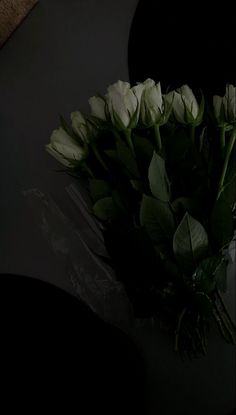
(77,235)
(81,243)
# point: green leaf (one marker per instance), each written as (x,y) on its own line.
(206,274)
(222,222)
(229,189)
(158,180)
(221,276)
(182,205)
(120,201)
(127,159)
(96,122)
(99,189)
(137,185)
(190,243)
(202,138)
(106,209)
(112,154)
(157,218)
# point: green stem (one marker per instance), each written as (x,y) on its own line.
(180,319)
(200,340)
(116,134)
(226,162)
(225,310)
(192,134)
(98,157)
(223,324)
(128,136)
(157,137)
(222,139)
(173,214)
(89,171)
(193,351)
(220,325)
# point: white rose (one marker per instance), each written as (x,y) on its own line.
(97,105)
(64,148)
(185,106)
(225,107)
(155,107)
(124,104)
(80,126)
(217,104)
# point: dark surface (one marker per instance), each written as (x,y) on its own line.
(180,42)
(64,52)
(56,354)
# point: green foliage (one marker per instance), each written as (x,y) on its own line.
(169,215)
(127,159)
(182,205)
(157,217)
(190,243)
(106,209)
(158,180)
(144,152)
(211,274)
(99,189)
(124,196)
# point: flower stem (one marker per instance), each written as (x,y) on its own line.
(116,134)
(181,316)
(192,134)
(89,171)
(192,351)
(226,162)
(98,157)
(128,136)
(157,137)
(224,321)
(220,325)
(222,139)
(225,310)
(200,341)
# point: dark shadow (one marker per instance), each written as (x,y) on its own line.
(56,354)
(180,42)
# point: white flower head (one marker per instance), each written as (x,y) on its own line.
(80,126)
(124,104)
(225,107)
(97,105)
(154,108)
(185,106)
(65,149)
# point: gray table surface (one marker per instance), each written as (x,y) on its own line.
(64,52)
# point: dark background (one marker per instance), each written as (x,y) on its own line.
(57,355)
(180,42)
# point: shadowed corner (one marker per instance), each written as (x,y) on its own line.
(170,43)
(12,13)
(57,354)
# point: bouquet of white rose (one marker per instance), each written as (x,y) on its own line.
(160,170)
